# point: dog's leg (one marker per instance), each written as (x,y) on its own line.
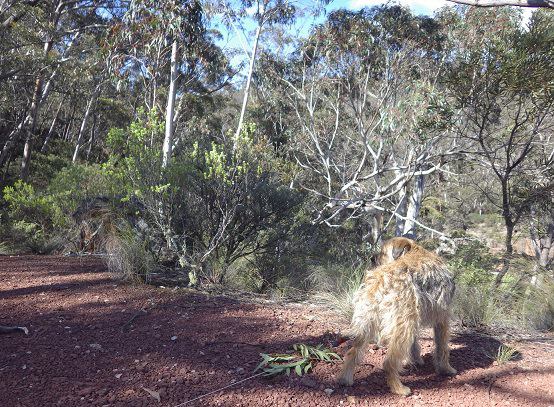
(415,354)
(402,337)
(352,358)
(442,353)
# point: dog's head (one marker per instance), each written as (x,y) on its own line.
(393,249)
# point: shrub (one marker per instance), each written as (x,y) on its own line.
(34,219)
(77,183)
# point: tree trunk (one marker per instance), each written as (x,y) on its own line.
(84,123)
(377,229)
(91,140)
(508,252)
(170,107)
(13,138)
(44,147)
(401,210)
(247,87)
(414,205)
(30,129)
(542,244)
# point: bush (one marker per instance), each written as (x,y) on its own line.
(77,183)
(34,219)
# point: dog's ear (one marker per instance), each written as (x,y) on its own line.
(400,249)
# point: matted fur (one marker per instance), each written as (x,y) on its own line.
(410,289)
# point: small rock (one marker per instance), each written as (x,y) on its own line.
(118,376)
(95,346)
(239,370)
(351,399)
(174,338)
(85,392)
(328,391)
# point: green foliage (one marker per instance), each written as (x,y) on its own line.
(301,361)
(474,301)
(77,183)
(34,217)
(27,205)
(506,354)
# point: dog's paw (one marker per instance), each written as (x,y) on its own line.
(345,380)
(401,390)
(447,370)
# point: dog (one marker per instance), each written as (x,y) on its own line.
(410,288)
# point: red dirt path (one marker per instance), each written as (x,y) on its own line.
(91,345)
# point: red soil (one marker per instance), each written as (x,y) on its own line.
(90,344)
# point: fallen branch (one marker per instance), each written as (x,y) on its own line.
(130,321)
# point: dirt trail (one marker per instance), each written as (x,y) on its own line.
(96,342)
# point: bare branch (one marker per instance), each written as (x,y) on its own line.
(498,3)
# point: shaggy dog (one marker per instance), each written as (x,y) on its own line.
(411,288)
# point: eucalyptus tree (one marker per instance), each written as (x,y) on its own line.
(369,115)
(164,48)
(502,89)
(263,14)
(48,34)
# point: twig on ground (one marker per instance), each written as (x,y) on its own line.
(125,326)
(256,345)
(218,390)
(491,383)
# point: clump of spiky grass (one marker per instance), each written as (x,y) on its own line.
(505,354)
(337,291)
(128,257)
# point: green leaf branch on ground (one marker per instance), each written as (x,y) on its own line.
(302,360)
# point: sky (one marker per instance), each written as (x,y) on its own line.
(417,6)
(303,25)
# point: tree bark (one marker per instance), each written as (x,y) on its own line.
(401,210)
(542,244)
(39,95)
(92,134)
(170,108)
(84,123)
(30,130)
(44,147)
(247,87)
(509,223)
(414,205)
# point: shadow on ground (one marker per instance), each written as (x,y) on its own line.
(97,341)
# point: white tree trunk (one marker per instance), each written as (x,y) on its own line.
(170,108)
(84,123)
(51,129)
(401,210)
(414,205)
(247,87)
